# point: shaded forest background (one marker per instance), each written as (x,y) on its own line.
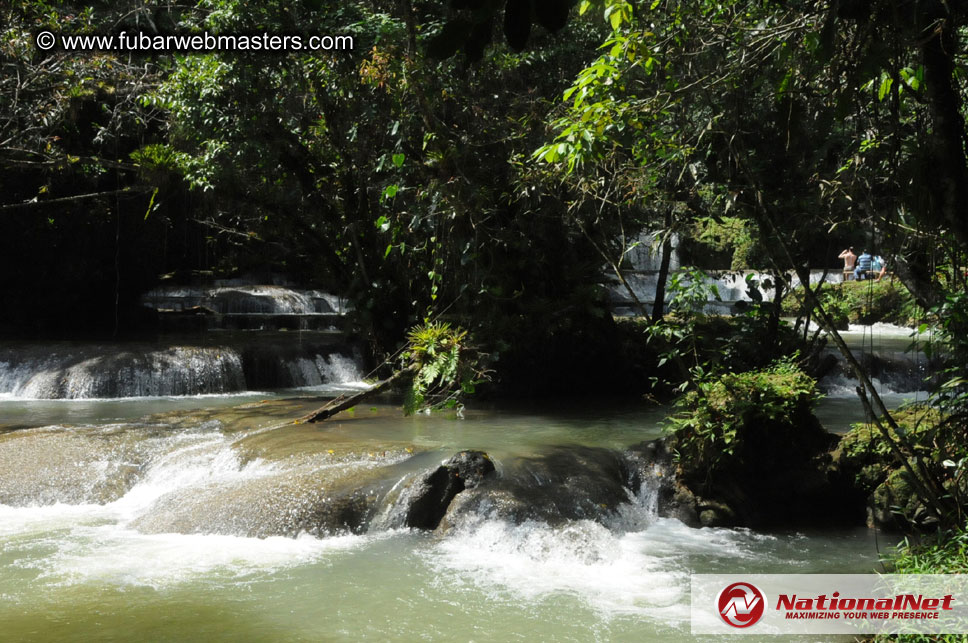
(485,163)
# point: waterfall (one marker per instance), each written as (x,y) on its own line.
(641,272)
(120,370)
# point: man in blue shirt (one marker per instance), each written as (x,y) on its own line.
(863,265)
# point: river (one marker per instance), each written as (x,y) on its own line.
(210,518)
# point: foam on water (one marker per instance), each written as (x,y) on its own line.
(89,542)
(642,572)
(839,386)
(636,564)
(118,556)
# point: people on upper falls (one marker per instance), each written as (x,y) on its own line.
(849,259)
(863,265)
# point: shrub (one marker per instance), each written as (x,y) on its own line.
(723,420)
(933,439)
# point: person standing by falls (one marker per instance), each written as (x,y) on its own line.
(849,259)
(863,265)
(879,265)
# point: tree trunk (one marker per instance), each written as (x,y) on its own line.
(916,276)
(658,306)
(773,328)
(949,170)
(344,402)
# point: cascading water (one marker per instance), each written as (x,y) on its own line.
(146,370)
(231,305)
(241,522)
(731,286)
(244,343)
(239,298)
(115,515)
(892,355)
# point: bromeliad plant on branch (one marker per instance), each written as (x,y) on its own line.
(444,367)
(437,366)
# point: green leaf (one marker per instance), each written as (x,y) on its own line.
(151,204)
(885,87)
(398,159)
(615,19)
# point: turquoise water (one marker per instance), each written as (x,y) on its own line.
(130,520)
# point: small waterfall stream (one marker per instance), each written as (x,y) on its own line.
(245,342)
(119,370)
(642,274)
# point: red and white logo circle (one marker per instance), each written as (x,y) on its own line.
(741,604)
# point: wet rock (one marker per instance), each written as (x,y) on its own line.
(715,514)
(562,484)
(780,476)
(466,470)
(822,365)
(657,471)
(320,501)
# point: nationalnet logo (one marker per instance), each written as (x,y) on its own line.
(741,604)
(829,604)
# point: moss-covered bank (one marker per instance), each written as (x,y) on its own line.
(865,456)
(861,302)
(751,452)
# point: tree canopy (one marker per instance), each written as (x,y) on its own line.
(478,162)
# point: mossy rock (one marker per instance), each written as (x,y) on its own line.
(860,302)
(751,449)
(865,452)
(894,501)
(866,459)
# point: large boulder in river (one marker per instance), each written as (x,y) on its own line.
(558,485)
(436,490)
(752,453)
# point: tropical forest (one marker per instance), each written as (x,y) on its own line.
(482,320)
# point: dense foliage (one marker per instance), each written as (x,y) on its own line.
(861,302)
(440,171)
(379,173)
(725,418)
(933,442)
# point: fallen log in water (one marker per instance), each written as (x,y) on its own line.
(344,402)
